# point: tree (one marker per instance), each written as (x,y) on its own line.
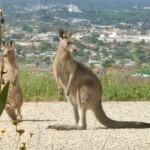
(138,55)
(108,63)
(43,28)
(17,36)
(104,51)
(27,28)
(19,49)
(44,46)
(142,42)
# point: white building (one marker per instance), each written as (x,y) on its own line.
(74,8)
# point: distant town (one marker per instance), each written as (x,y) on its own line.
(34,28)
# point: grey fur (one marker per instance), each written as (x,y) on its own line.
(11,73)
(83,89)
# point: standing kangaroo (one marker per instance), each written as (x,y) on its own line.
(10,73)
(82,88)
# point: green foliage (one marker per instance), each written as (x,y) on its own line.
(42,87)
(138,55)
(144,70)
(142,42)
(3,97)
(38,86)
(126,88)
(105,53)
(44,46)
(27,28)
(108,63)
(43,28)
(19,49)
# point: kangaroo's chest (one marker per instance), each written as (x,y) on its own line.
(64,72)
(9,72)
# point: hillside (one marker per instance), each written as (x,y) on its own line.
(97,3)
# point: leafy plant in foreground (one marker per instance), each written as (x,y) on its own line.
(3,97)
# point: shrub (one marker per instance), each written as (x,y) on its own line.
(3,97)
(42,87)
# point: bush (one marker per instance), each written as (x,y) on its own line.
(42,87)
(38,86)
(126,88)
(3,97)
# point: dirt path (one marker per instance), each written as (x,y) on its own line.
(37,117)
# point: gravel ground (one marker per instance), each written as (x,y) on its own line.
(38,116)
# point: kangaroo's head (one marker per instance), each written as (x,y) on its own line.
(9,50)
(66,43)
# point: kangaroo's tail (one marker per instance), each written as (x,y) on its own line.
(10,109)
(106,121)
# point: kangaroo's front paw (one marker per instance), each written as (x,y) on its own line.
(2,81)
(67,92)
(4,71)
(19,117)
(61,91)
(14,83)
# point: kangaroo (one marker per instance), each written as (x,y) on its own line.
(10,72)
(82,88)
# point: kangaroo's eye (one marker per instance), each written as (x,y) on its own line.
(68,43)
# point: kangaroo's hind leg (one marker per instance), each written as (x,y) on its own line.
(75,110)
(82,122)
(10,109)
(80,119)
(19,103)
(19,116)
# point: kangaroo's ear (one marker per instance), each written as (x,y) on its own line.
(61,33)
(69,33)
(4,43)
(11,43)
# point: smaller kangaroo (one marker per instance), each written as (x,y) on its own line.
(10,73)
(83,89)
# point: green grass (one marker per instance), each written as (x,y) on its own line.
(143,70)
(38,86)
(126,88)
(42,87)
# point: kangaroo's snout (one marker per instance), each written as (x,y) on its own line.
(75,50)
(5,54)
